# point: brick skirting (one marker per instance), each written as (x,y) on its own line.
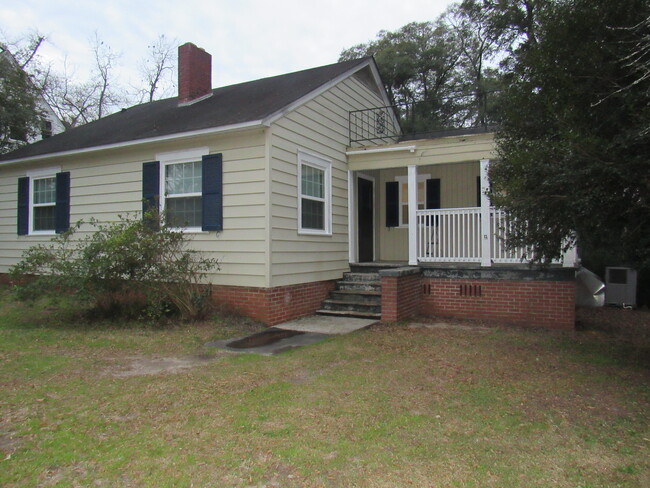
(537,298)
(531,303)
(274,305)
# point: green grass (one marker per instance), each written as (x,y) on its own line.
(384,407)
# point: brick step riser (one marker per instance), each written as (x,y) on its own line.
(358,286)
(355,297)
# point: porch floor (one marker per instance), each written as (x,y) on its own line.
(401,264)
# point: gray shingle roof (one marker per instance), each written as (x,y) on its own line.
(234,104)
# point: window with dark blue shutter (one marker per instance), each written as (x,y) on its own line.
(23,206)
(392,204)
(62,208)
(212,192)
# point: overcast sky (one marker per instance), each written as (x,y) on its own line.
(248,39)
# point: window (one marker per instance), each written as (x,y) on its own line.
(187,187)
(179,183)
(404,197)
(43,202)
(183,194)
(314,194)
(43,217)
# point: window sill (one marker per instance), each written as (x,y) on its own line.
(42,233)
(189,230)
(307,232)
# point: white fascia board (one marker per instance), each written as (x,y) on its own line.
(169,137)
(314,93)
(381,150)
(380,85)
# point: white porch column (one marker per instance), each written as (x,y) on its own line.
(352,217)
(412,207)
(486,234)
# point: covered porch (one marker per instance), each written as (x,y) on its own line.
(425,202)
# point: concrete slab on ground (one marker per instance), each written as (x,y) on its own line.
(269,342)
(325,324)
(289,335)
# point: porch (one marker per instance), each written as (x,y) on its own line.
(426,202)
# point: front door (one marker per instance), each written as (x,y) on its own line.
(365,220)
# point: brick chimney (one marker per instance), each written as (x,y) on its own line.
(194,74)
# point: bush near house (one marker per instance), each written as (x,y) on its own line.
(134,267)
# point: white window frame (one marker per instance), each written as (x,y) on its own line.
(403,180)
(40,175)
(323,164)
(178,157)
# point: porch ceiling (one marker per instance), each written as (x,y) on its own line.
(423,152)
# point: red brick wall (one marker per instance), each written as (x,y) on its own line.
(400,296)
(194,72)
(274,305)
(533,303)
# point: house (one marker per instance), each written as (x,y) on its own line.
(294,182)
(51,124)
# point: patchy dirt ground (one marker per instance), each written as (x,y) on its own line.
(140,366)
(623,324)
(613,319)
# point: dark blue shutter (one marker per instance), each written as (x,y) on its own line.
(433,193)
(392,204)
(62,209)
(150,187)
(212,187)
(23,206)
(478,191)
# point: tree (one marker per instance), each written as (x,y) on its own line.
(157,69)
(479,47)
(20,117)
(76,101)
(441,69)
(573,158)
(105,58)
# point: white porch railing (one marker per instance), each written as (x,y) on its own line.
(453,235)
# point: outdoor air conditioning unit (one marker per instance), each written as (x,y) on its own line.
(620,286)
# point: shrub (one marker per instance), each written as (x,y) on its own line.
(117,264)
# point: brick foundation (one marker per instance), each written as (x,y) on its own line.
(537,298)
(533,303)
(274,305)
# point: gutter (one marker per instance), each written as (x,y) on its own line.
(136,142)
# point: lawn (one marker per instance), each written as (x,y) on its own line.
(391,406)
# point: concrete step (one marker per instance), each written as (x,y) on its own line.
(362,315)
(351,306)
(359,285)
(373,267)
(361,277)
(360,296)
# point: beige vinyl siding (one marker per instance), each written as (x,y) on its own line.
(457,189)
(320,127)
(443,150)
(104,184)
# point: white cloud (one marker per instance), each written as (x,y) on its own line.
(248,39)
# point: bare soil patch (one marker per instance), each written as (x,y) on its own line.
(151,366)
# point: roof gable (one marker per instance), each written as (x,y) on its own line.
(230,106)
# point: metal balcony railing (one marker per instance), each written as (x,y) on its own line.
(384,125)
